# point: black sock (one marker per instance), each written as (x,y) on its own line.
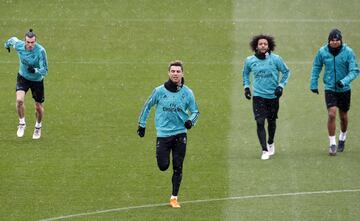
(271,130)
(260,128)
(176,180)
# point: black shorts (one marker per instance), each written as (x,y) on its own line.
(176,145)
(338,99)
(36,87)
(265,108)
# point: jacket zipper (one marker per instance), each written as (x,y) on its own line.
(335,75)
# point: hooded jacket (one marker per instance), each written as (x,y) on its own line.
(342,67)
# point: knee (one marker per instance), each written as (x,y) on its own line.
(272,122)
(343,118)
(163,166)
(332,115)
(178,170)
(39,108)
(260,122)
(19,102)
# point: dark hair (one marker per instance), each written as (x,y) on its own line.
(30,33)
(254,41)
(335,34)
(176,63)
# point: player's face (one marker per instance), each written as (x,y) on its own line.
(30,43)
(263,45)
(334,43)
(175,74)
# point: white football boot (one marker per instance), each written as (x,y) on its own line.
(265,155)
(271,148)
(37,133)
(21,130)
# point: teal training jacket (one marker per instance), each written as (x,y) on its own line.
(341,67)
(36,58)
(265,74)
(171,110)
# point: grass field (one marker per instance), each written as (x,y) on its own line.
(105,58)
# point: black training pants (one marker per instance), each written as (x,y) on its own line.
(177,146)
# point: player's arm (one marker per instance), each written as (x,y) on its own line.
(246,74)
(151,101)
(315,72)
(43,64)
(285,73)
(194,112)
(246,79)
(353,69)
(11,43)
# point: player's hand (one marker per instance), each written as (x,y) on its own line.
(31,69)
(188,124)
(141,131)
(8,48)
(278,91)
(316,91)
(339,84)
(247,93)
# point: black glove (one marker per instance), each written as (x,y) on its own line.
(8,48)
(278,91)
(316,91)
(247,93)
(141,131)
(339,84)
(188,124)
(31,69)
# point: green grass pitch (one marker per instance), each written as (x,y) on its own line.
(105,58)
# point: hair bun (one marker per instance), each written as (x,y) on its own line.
(30,30)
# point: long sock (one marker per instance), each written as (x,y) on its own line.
(22,120)
(38,125)
(176,180)
(332,140)
(260,129)
(342,135)
(271,130)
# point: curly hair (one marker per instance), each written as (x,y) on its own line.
(254,42)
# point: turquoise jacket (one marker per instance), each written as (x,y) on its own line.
(171,110)
(341,67)
(266,74)
(36,58)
